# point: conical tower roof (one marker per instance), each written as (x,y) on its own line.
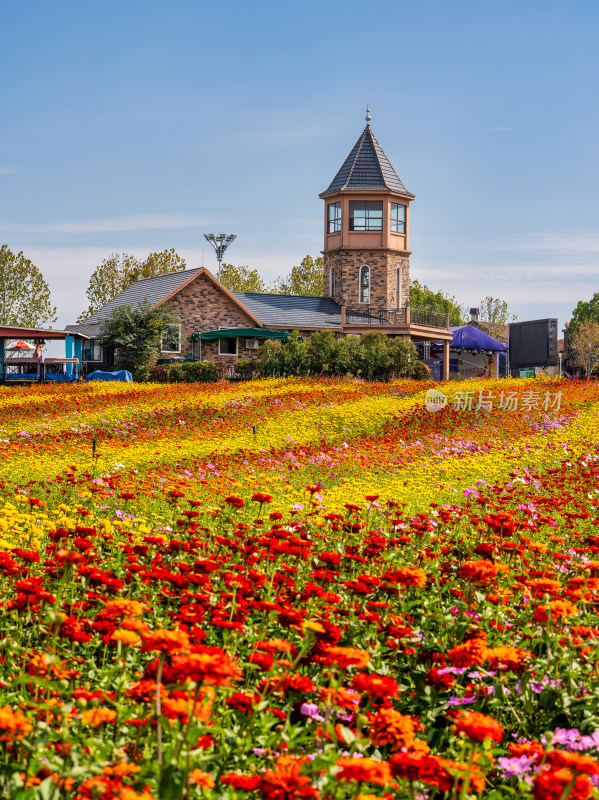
(367,168)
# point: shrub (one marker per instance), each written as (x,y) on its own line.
(244,369)
(420,371)
(175,373)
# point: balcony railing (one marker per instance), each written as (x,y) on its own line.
(375,316)
(395,317)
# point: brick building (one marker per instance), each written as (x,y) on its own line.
(366,279)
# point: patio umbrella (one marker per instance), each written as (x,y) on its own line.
(21,346)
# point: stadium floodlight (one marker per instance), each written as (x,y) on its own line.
(220,243)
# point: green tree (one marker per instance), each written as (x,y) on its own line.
(162,263)
(119,271)
(421,297)
(135,333)
(304,279)
(494,318)
(584,345)
(24,294)
(241,279)
(583,311)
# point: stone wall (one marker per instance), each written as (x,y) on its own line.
(382,264)
(200,306)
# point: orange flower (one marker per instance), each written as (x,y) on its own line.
(390,728)
(121,770)
(121,607)
(469,653)
(218,668)
(363,769)
(126,637)
(483,572)
(13,724)
(550,785)
(163,640)
(506,656)
(98,716)
(578,762)
(287,782)
(478,726)
(556,609)
(202,779)
(409,576)
(346,657)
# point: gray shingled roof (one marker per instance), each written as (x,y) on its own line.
(152,289)
(367,168)
(292,311)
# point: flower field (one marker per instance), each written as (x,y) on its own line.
(299,589)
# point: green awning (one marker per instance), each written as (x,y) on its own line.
(236,333)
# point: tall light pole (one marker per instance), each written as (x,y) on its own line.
(220,244)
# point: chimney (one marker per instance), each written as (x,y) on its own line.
(474,312)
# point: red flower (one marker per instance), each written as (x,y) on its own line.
(236,502)
(262,497)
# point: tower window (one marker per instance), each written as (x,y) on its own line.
(398,297)
(398,218)
(332,281)
(364,284)
(366,215)
(334,225)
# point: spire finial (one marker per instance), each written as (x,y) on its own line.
(368,117)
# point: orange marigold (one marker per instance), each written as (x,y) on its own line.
(506,656)
(469,653)
(13,724)
(163,640)
(98,716)
(126,637)
(202,779)
(478,726)
(363,769)
(479,571)
(409,576)
(556,609)
(287,781)
(390,728)
(346,657)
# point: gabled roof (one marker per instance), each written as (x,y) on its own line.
(292,311)
(152,289)
(367,168)
(156,291)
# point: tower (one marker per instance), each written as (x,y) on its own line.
(366,255)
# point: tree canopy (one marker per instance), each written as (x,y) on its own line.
(306,278)
(119,271)
(24,294)
(584,310)
(494,318)
(421,297)
(242,279)
(136,332)
(584,345)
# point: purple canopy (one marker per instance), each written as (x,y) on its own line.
(469,337)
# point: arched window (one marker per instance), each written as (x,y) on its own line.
(332,281)
(364,284)
(398,297)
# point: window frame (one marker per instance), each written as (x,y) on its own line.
(364,291)
(334,222)
(96,349)
(229,339)
(367,206)
(172,325)
(395,221)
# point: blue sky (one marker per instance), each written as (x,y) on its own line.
(135,126)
